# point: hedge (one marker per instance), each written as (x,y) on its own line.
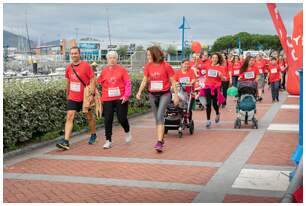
(35,109)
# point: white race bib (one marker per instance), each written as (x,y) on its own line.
(249,75)
(260,71)
(156,85)
(203,71)
(273,71)
(114,92)
(212,73)
(236,72)
(202,82)
(75,86)
(184,80)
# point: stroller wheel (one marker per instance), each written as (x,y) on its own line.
(180,134)
(237,124)
(191,127)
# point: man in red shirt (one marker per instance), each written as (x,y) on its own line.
(78,74)
(274,79)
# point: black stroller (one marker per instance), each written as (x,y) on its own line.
(246,103)
(177,118)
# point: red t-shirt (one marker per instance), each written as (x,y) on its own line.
(187,77)
(249,74)
(266,68)
(213,75)
(202,70)
(282,65)
(226,71)
(274,73)
(235,68)
(260,65)
(76,88)
(158,76)
(198,67)
(184,77)
(112,80)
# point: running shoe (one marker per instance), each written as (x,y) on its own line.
(92,139)
(159,146)
(63,144)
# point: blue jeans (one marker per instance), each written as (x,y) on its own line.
(235,81)
(275,90)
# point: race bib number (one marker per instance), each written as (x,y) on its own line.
(273,71)
(212,73)
(260,71)
(203,71)
(249,75)
(184,80)
(156,85)
(236,72)
(114,92)
(75,86)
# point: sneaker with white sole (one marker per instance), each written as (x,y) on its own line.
(107,144)
(128,137)
(208,124)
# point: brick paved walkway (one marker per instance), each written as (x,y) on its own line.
(221,164)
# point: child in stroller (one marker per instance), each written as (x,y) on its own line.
(246,103)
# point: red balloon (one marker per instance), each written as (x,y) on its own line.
(196,47)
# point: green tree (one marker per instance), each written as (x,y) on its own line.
(122,51)
(171,50)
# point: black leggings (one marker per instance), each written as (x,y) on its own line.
(209,99)
(121,110)
(224,87)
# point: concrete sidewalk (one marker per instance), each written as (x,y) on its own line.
(221,164)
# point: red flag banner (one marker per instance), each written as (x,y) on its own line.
(289,47)
(297,39)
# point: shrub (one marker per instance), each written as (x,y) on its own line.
(33,109)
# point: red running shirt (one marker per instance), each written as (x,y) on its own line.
(76,88)
(112,80)
(158,76)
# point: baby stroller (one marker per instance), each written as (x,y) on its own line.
(246,103)
(177,117)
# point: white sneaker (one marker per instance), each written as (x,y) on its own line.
(128,137)
(107,144)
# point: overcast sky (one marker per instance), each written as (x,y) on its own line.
(143,22)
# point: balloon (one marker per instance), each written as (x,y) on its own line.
(196,47)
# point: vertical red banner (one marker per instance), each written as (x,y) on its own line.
(293,86)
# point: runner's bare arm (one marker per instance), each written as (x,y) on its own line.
(142,86)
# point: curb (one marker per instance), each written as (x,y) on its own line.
(35,146)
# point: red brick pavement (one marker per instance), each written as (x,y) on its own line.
(117,170)
(292,100)
(275,149)
(287,116)
(249,199)
(45,191)
(201,146)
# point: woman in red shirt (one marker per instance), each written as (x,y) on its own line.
(226,81)
(260,65)
(274,76)
(116,90)
(160,76)
(186,76)
(283,66)
(248,70)
(213,81)
(235,70)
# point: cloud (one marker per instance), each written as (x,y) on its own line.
(144,22)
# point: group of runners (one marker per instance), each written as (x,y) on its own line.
(209,74)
